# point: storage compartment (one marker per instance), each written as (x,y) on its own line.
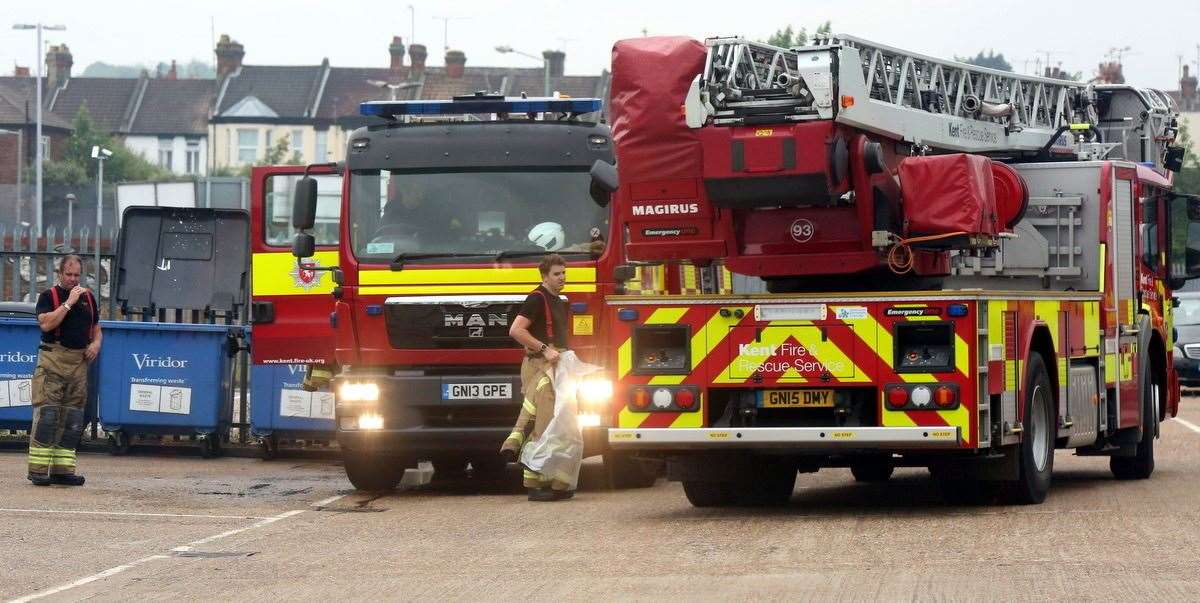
(948,195)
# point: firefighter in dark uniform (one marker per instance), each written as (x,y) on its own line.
(70,321)
(540,327)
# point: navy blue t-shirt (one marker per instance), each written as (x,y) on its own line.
(76,328)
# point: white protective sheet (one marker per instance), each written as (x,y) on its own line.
(558,454)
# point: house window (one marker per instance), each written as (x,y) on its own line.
(193,156)
(166,147)
(297,142)
(269,140)
(46,147)
(319,154)
(247,145)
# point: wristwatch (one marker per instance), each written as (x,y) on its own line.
(67,305)
(542,350)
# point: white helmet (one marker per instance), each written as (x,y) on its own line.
(548,236)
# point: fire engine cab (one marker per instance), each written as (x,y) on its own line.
(967,269)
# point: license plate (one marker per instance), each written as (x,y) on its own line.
(797,398)
(476,391)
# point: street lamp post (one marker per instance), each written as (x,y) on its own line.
(99,154)
(545,66)
(39,27)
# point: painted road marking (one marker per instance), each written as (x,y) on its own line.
(112,571)
(127,514)
(1188,424)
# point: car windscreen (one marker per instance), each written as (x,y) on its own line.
(1188,312)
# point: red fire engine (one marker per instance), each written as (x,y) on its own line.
(966,268)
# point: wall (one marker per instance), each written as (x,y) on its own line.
(225,146)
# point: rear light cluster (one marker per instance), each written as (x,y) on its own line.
(662,398)
(923,396)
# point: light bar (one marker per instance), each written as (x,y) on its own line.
(463,107)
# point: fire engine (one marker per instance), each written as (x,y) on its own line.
(966,269)
(415,255)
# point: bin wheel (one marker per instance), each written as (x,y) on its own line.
(270,446)
(210,446)
(118,443)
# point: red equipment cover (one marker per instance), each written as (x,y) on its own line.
(650,80)
(947,194)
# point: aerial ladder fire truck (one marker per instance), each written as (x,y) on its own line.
(966,268)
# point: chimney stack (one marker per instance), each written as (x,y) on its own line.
(229,56)
(58,66)
(172,73)
(19,71)
(418,54)
(556,59)
(1187,91)
(456,63)
(396,50)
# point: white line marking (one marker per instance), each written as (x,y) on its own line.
(179,549)
(127,513)
(92,578)
(328,501)
(1188,424)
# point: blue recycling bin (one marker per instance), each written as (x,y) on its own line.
(166,379)
(280,408)
(19,339)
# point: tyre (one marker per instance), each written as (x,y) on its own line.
(210,446)
(771,485)
(709,494)
(872,469)
(371,472)
(118,443)
(1036,450)
(623,471)
(1141,464)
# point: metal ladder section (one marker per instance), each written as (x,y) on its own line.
(903,95)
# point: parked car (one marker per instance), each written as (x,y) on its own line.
(17,310)
(1187,338)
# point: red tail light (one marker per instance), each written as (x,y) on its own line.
(641,398)
(685,398)
(943,396)
(897,397)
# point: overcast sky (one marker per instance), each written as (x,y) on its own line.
(356,33)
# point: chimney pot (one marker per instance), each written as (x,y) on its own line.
(396,50)
(556,59)
(58,65)
(456,62)
(418,53)
(19,71)
(229,56)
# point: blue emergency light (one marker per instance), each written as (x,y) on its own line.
(469,105)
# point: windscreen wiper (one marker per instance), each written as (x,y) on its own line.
(398,261)
(517,254)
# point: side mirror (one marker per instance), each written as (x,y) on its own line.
(624,273)
(304,245)
(604,182)
(1173,160)
(304,204)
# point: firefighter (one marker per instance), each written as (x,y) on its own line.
(70,324)
(540,327)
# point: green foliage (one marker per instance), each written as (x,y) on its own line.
(194,69)
(991,60)
(278,153)
(788,37)
(1188,179)
(77,166)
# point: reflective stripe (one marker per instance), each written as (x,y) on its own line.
(542,383)
(516,435)
(529,406)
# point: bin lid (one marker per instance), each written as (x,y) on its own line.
(187,258)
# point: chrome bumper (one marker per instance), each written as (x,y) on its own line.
(785,437)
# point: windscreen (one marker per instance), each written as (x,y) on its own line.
(1188,312)
(473,216)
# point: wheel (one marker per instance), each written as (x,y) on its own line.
(270,446)
(371,472)
(872,469)
(770,484)
(118,443)
(624,471)
(1141,464)
(709,494)
(1036,450)
(448,467)
(210,445)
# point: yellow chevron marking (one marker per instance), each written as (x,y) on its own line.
(1091,327)
(467,289)
(1103,252)
(807,335)
(1010,375)
(625,358)
(667,379)
(272,274)
(627,419)
(959,417)
(691,419)
(414,275)
(713,333)
(666,316)
(1110,369)
(893,418)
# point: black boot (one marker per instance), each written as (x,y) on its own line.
(542,495)
(39,479)
(67,480)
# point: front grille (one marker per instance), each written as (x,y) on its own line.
(469,416)
(450,325)
(1192,350)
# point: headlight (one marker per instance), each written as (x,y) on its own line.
(359,392)
(588,419)
(370,421)
(595,391)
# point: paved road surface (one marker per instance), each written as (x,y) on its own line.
(148,527)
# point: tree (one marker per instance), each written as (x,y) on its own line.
(77,166)
(991,60)
(788,37)
(1188,179)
